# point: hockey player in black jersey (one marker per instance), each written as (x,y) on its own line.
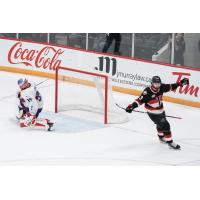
(151,97)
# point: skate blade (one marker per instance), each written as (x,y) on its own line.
(174,148)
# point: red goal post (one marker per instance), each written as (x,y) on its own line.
(88,73)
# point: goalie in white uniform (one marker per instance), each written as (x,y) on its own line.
(30,104)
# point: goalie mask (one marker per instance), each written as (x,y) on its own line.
(22,83)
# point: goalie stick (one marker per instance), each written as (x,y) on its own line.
(41,82)
(146,112)
(12,95)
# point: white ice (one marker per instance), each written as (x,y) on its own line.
(79,139)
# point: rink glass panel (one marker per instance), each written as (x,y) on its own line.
(192,50)
(58,38)
(8,35)
(96,42)
(153,46)
(36,37)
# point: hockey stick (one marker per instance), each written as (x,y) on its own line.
(146,112)
(120,106)
(42,82)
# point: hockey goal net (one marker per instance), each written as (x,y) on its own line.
(82,92)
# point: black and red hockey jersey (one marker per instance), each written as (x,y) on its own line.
(153,99)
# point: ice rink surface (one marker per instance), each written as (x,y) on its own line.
(79,139)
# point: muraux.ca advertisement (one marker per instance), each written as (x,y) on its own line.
(134,74)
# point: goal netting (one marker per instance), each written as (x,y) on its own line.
(87,95)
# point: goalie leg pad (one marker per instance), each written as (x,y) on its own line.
(36,123)
(40,123)
(27,120)
(44,124)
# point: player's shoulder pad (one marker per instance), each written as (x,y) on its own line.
(146,91)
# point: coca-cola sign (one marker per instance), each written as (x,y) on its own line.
(47,57)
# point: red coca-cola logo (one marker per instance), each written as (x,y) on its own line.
(45,58)
(188,89)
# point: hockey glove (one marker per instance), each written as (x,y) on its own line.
(184,81)
(129,108)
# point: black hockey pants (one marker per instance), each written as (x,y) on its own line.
(161,122)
